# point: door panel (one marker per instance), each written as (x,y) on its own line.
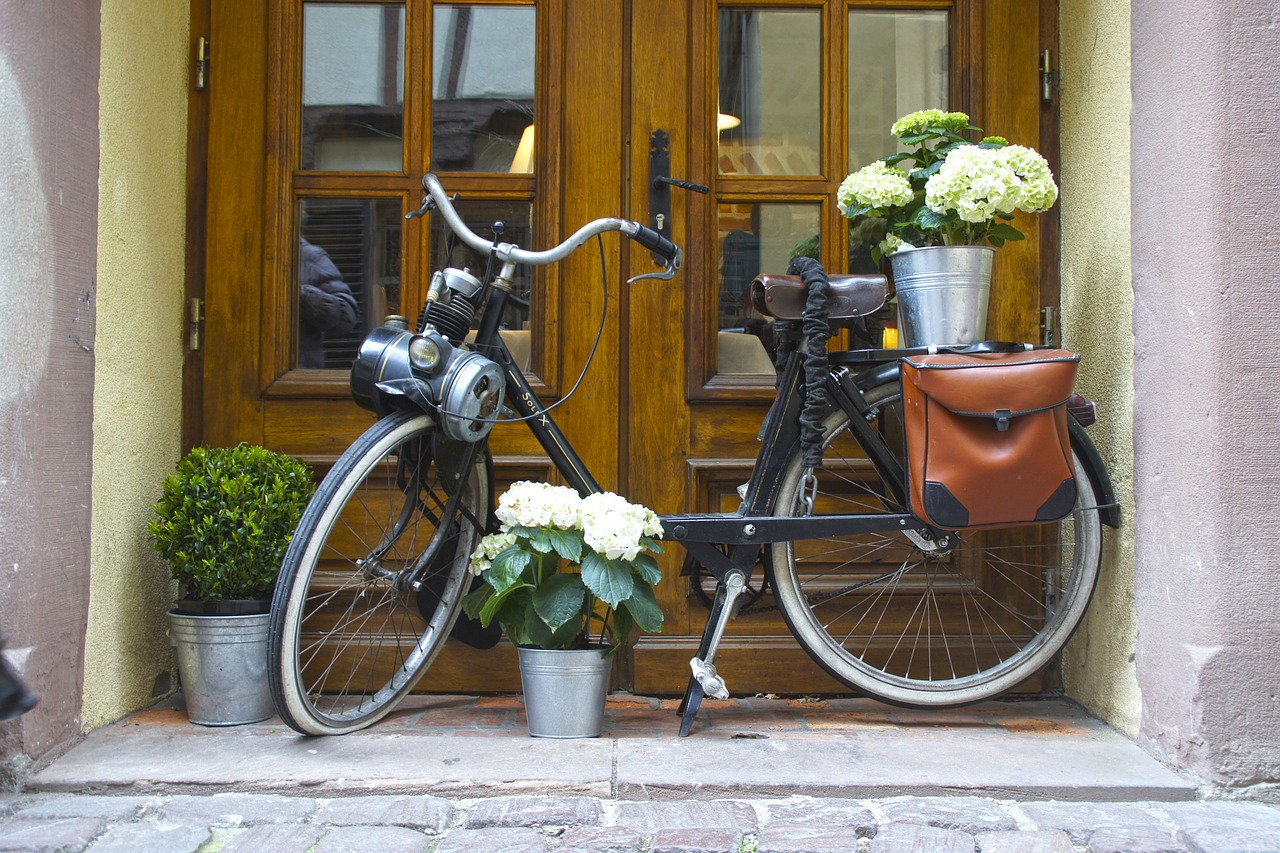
(323,116)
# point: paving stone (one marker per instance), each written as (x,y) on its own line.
(700,840)
(1226,826)
(1133,839)
(649,818)
(113,809)
(599,839)
(970,814)
(414,812)
(816,836)
(1034,841)
(498,839)
(826,812)
(151,837)
(43,834)
(363,839)
(914,838)
(1080,820)
(236,809)
(534,811)
(275,837)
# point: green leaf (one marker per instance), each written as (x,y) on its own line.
(929,219)
(644,608)
(559,599)
(651,544)
(567,543)
(1004,231)
(623,625)
(895,159)
(913,138)
(496,603)
(474,601)
(647,567)
(609,580)
(507,568)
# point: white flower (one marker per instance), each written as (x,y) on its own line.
(528,504)
(876,185)
(612,527)
(976,183)
(488,548)
(892,243)
(1039,192)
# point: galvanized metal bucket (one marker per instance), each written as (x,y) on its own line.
(222,661)
(565,690)
(942,294)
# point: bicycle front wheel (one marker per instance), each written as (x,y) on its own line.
(900,620)
(349,637)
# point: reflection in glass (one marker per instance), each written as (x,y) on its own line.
(757,238)
(517,227)
(348,276)
(482,66)
(771,81)
(897,64)
(352,87)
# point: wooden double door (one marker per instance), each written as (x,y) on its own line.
(319,118)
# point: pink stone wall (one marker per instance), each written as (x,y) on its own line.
(48,254)
(1206,279)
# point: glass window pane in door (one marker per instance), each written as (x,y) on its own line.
(482,65)
(898,64)
(770,92)
(348,276)
(756,238)
(353,87)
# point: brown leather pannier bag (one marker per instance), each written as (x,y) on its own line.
(987,439)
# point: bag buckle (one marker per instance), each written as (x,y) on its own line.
(1002,418)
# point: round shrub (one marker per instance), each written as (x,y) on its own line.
(225,518)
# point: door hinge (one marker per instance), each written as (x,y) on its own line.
(202,64)
(1047,78)
(1048,325)
(195,322)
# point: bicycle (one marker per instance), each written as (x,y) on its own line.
(382,550)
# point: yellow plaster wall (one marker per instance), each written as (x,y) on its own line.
(138,348)
(1097,312)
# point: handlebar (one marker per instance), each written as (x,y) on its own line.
(647,237)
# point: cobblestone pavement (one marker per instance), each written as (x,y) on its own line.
(252,823)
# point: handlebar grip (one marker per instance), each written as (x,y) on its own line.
(655,242)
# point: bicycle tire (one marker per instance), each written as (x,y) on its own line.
(346,644)
(870,609)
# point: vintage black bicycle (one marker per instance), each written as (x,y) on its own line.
(372,584)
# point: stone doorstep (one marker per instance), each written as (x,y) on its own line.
(996,753)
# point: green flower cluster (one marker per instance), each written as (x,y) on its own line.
(922,121)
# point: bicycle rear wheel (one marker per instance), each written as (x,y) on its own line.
(897,619)
(349,639)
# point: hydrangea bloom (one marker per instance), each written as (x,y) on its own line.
(892,243)
(976,183)
(489,547)
(876,185)
(918,121)
(613,527)
(528,504)
(1039,192)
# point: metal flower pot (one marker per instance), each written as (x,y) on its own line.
(565,690)
(942,294)
(222,661)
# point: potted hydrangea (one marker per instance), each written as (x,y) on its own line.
(942,217)
(569,578)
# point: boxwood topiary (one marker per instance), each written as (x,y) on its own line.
(225,518)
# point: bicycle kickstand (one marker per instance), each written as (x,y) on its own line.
(705,681)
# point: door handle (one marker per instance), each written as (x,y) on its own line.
(660,183)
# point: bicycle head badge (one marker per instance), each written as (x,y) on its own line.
(396,368)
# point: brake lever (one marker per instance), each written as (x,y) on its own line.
(668,273)
(427,204)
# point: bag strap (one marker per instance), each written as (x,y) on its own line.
(1003,417)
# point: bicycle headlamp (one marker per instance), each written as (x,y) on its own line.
(424,353)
